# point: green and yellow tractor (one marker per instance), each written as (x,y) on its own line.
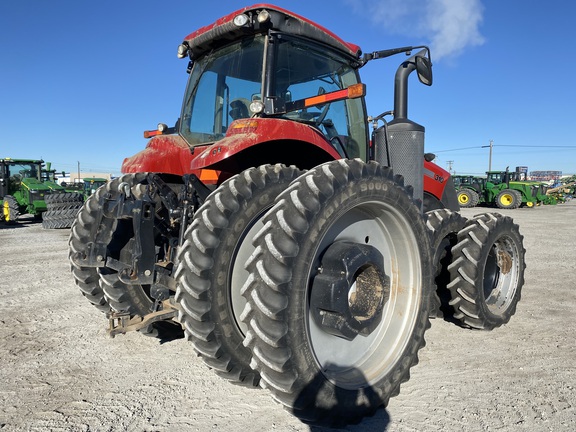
(469,190)
(21,188)
(507,191)
(27,186)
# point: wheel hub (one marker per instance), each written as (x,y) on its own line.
(349,293)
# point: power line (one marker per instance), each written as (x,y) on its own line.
(458,149)
(533,146)
(504,145)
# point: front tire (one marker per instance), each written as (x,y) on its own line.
(487,271)
(329,361)
(211,270)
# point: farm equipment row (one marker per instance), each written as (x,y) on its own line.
(294,250)
(28,186)
(503,189)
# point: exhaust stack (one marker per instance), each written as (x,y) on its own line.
(400,143)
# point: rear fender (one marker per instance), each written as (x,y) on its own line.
(439,190)
(168,154)
(255,141)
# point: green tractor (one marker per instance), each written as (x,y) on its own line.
(469,190)
(503,190)
(29,187)
(539,189)
(91,185)
(86,187)
(22,189)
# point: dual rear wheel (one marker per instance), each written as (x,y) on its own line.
(315,313)
(318,285)
(211,271)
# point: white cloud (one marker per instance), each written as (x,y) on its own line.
(448,26)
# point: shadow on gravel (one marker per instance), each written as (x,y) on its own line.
(4,225)
(378,422)
(23,221)
(314,404)
(167,332)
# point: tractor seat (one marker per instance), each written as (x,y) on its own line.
(239,108)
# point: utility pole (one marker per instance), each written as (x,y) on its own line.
(490,156)
(450,162)
(78,171)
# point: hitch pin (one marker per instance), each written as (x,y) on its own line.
(125,187)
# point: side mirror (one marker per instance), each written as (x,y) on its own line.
(424,70)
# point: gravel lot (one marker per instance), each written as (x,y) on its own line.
(61,372)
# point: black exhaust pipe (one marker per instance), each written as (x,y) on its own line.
(400,143)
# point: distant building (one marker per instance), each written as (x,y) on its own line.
(545,175)
(73,177)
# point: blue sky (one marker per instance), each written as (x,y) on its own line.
(80,81)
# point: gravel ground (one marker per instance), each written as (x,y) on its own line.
(61,372)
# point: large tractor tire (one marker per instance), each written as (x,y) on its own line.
(467,198)
(487,271)
(86,222)
(338,293)
(54,199)
(443,226)
(10,209)
(130,298)
(58,219)
(508,199)
(211,268)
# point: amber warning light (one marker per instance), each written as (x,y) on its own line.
(160,130)
(352,92)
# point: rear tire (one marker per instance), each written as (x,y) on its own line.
(443,226)
(487,271)
(122,297)
(80,239)
(211,271)
(320,377)
(467,198)
(11,209)
(508,199)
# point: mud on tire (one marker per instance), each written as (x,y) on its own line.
(487,272)
(321,377)
(211,268)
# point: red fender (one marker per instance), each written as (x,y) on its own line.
(246,133)
(163,154)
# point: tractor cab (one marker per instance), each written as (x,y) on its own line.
(91,185)
(13,172)
(497,177)
(269,86)
(279,76)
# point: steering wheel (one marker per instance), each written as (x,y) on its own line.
(322,115)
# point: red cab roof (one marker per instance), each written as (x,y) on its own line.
(224,30)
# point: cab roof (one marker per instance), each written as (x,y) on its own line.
(224,31)
(10,160)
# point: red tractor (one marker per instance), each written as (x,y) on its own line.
(297,242)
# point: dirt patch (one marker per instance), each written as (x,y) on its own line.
(60,371)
